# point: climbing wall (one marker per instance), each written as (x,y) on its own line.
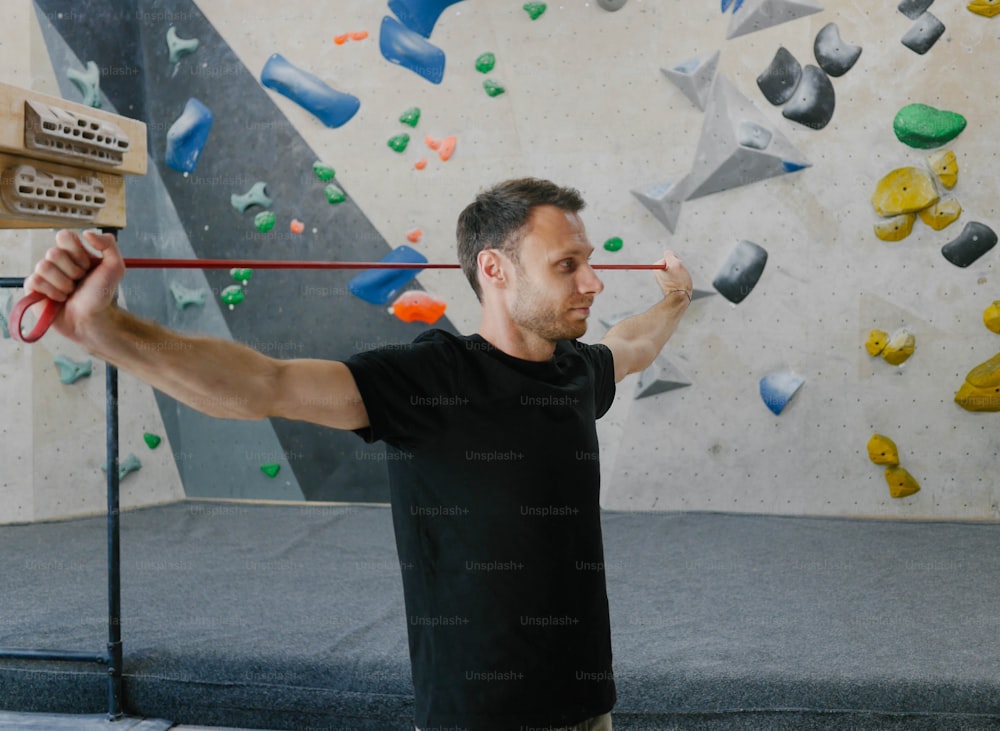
(840,304)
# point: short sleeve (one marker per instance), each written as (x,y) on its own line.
(602,363)
(397,385)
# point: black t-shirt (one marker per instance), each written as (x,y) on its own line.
(494,481)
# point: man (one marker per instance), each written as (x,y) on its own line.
(493,467)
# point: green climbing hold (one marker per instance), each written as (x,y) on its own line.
(924,127)
(232,295)
(241,275)
(264,221)
(485,63)
(334,195)
(131,463)
(534,10)
(88,82)
(70,371)
(179,47)
(493,88)
(323,171)
(256,196)
(271,469)
(152,441)
(411,116)
(184,297)
(613,244)
(399,142)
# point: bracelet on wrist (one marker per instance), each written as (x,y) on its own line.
(686,292)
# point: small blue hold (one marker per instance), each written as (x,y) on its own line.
(726,4)
(792,167)
(380,286)
(333,108)
(402,46)
(186,137)
(777,389)
(420,15)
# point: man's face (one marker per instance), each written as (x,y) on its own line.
(555,285)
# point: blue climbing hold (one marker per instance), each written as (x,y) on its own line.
(186,137)
(333,108)
(792,167)
(777,389)
(380,286)
(726,4)
(405,47)
(420,15)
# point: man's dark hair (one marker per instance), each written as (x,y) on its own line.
(498,218)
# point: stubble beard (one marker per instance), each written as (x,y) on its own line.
(545,319)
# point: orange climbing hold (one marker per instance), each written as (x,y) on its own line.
(418,305)
(421,163)
(359,35)
(414,236)
(447,148)
(432,143)
(296,226)
(341,40)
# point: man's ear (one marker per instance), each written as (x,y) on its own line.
(493,268)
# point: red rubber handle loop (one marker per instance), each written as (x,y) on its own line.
(49,313)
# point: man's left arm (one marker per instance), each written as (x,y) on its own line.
(635,342)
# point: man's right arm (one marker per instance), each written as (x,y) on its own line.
(214,376)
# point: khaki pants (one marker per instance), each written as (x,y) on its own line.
(597,723)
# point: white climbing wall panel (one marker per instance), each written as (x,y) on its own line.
(587,105)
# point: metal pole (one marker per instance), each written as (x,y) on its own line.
(114,653)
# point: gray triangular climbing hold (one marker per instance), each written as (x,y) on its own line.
(721,162)
(664,200)
(694,77)
(754,15)
(661,376)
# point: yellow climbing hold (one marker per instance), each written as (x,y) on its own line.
(904,190)
(991,317)
(981,390)
(986,374)
(900,347)
(945,166)
(896,228)
(987,8)
(941,213)
(901,483)
(876,341)
(882,450)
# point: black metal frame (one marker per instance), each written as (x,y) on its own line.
(111,656)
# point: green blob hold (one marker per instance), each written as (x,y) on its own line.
(88,82)
(241,275)
(152,441)
(70,371)
(534,10)
(493,88)
(264,221)
(334,195)
(485,63)
(232,295)
(323,171)
(924,127)
(411,116)
(271,469)
(399,142)
(179,47)
(613,244)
